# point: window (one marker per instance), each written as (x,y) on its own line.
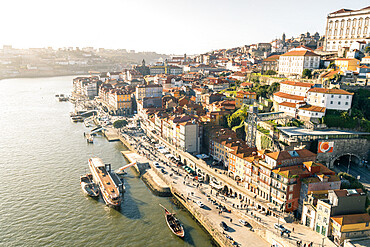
(331,102)
(289,205)
(332,96)
(338,102)
(326,210)
(346,103)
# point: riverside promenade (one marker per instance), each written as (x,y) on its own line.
(188,192)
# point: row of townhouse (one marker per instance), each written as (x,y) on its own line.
(117,100)
(283,179)
(304,100)
(86,86)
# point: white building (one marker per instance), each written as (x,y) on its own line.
(345,26)
(333,99)
(189,140)
(295,87)
(296,60)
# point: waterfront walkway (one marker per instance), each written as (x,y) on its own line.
(263,232)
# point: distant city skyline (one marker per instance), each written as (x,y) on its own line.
(162,26)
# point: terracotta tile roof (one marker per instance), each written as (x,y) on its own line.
(364,67)
(298,83)
(288,104)
(272,58)
(302,153)
(341,11)
(329,91)
(289,96)
(330,74)
(312,108)
(300,53)
(351,219)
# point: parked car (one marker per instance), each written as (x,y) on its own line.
(224,226)
(282,228)
(243,222)
(200,204)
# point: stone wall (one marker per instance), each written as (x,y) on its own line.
(358,147)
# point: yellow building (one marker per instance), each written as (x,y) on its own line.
(120,101)
(244,97)
(350,226)
(347,64)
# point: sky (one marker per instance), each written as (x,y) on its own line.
(162,26)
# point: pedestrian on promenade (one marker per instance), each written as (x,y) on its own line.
(231,220)
(293,229)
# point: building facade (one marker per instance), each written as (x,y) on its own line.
(296,60)
(346,26)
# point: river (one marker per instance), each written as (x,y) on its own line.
(42,157)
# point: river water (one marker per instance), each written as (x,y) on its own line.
(42,157)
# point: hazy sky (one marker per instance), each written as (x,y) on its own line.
(163,26)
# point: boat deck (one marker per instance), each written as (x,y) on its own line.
(108,184)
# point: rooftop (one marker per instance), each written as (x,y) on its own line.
(297,131)
(351,219)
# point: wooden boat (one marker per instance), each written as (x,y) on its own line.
(173,223)
(88,186)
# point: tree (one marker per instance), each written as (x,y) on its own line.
(119,124)
(306,73)
(270,72)
(274,87)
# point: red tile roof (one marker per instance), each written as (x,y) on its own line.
(329,91)
(289,96)
(288,104)
(300,53)
(312,108)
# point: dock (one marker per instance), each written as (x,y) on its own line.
(111,134)
(148,175)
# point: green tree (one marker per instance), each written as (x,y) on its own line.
(274,87)
(119,124)
(270,72)
(307,73)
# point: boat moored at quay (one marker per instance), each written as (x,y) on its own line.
(111,187)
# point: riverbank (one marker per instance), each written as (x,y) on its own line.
(51,75)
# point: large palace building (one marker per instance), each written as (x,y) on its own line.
(346,26)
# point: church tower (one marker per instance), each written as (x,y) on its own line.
(283,38)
